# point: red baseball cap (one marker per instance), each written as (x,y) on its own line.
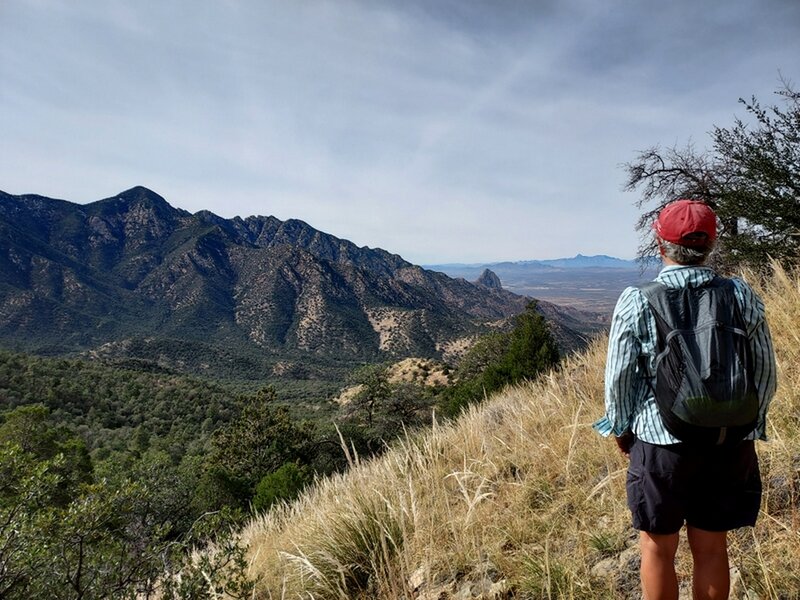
(687,223)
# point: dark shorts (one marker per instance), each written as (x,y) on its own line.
(715,489)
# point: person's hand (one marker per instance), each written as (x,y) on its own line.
(624,443)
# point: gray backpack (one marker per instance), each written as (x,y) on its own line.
(703,381)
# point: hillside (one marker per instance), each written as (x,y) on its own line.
(131,277)
(520,499)
(109,404)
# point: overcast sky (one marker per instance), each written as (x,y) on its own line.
(444,131)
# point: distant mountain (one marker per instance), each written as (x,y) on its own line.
(590,283)
(579,261)
(131,277)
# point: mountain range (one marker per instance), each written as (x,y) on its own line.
(579,261)
(585,282)
(132,278)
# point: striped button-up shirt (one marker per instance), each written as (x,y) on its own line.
(630,405)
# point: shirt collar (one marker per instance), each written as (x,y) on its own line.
(683,275)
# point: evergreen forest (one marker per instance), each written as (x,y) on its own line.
(114,475)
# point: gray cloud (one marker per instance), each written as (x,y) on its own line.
(440,130)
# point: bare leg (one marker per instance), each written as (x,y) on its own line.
(659,581)
(710,554)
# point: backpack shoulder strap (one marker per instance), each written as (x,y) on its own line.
(721,282)
(655,293)
(729,287)
(652,289)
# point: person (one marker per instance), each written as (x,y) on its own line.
(711,490)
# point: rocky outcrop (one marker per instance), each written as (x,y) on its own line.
(489,279)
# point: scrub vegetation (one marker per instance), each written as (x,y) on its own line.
(519,498)
(132,484)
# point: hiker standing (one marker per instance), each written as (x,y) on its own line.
(689,376)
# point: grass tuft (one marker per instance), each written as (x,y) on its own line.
(519,498)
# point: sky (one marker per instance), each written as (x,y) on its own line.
(441,130)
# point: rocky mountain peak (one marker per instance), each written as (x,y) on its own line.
(134,217)
(489,279)
(137,201)
(196,290)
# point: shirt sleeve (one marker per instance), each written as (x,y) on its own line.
(622,382)
(765,369)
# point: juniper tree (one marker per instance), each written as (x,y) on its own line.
(750,176)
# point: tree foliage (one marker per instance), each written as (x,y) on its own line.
(503,359)
(111,479)
(750,176)
(374,391)
(30,429)
(107,403)
(383,410)
(260,441)
(64,536)
(283,484)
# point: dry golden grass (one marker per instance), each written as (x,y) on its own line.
(519,498)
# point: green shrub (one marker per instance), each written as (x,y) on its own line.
(283,484)
(502,359)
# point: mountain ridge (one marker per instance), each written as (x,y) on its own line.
(131,271)
(579,261)
(590,283)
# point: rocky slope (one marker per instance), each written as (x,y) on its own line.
(132,277)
